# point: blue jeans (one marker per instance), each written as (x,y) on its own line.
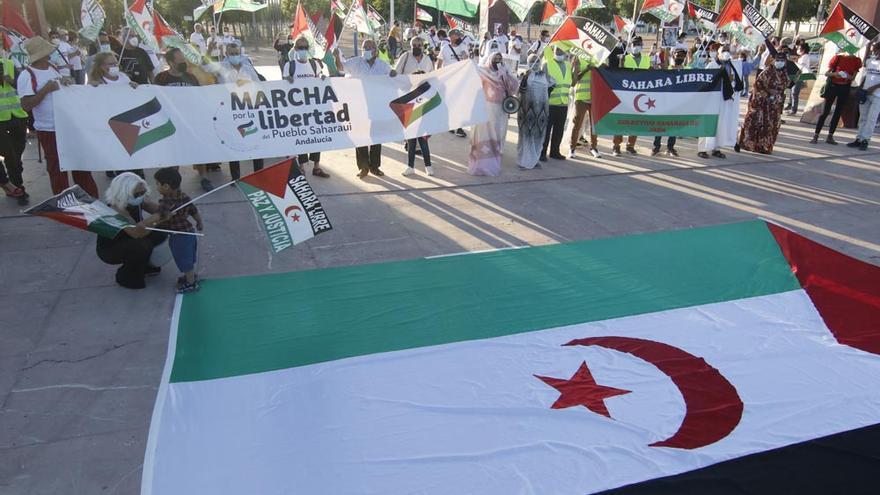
(411,151)
(183,249)
(795,95)
(670,142)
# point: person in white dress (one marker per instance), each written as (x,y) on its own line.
(728,117)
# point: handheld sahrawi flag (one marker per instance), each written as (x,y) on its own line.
(585,39)
(520,8)
(141,126)
(92,17)
(732,359)
(139,19)
(169,38)
(623,25)
(708,18)
(456,22)
(656,103)
(423,15)
(553,15)
(849,31)
(285,204)
(77,208)
(665,10)
(744,22)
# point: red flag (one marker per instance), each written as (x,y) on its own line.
(550,10)
(571,6)
(300,21)
(450,21)
(12,19)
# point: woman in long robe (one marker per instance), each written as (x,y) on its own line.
(533,112)
(761,126)
(487,139)
(728,116)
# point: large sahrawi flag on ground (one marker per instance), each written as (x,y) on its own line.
(154,126)
(848,30)
(77,208)
(656,102)
(564,369)
(285,204)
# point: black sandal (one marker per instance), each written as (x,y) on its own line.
(718,154)
(703,154)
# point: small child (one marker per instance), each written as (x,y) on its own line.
(183,247)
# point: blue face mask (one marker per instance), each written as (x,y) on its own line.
(368,54)
(234,59)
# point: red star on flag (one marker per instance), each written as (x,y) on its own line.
(582,390)
(295,217)
(652,103)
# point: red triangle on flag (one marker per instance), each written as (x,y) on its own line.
(571,6)
(732,12)
(273,179)
(652,4)
(568,30)
(12,19)
(300,21)
(835,21)
(604,99)
(549,10)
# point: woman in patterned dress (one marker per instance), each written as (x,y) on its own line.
(533,112)
(761,125)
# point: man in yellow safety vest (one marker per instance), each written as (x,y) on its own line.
(13,133)
(582,107)
(633,60)
(559,68)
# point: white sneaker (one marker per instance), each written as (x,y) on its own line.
(409,171)
(429,171)
(595,153)
(571,153)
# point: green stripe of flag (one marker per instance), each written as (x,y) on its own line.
(657,125)
(254,324)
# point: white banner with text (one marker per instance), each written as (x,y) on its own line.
(120,128)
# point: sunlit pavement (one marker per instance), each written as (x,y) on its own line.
(80,358)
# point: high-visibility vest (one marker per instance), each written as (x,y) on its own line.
(559,96)
(629,62)
(384,56)
(10,104)
(583,89)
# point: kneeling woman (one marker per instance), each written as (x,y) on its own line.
(133,245)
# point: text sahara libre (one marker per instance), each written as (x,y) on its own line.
(272,118)
(662,82)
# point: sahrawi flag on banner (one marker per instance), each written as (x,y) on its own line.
(740,358)
(552,15)
(77,208)
(285,204)
(708,18)
(745,23)
(849,31)
(585,39)
(665,10)
(656,103)
(141,126)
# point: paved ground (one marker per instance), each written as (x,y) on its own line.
(81,359)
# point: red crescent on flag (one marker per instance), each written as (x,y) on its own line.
(851,33)
(636,102)
(289,208)
(713,407)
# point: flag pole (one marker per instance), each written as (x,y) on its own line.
(154,229)
(212,191)
(127,31)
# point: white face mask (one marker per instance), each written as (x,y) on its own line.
(724,56)
(559,58)
(105,47)
(136,201)
(133,41)
(113,71)
(779,64)
(637,50)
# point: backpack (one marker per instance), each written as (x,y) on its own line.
(291,67)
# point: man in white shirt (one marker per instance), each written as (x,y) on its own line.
(369,158)
(198,39)
(59,56)
(303,65)
(539,44)
(452,52)
(236,69)
(75,58)
(36,85)
(216,46)
(502,39)
(869,110)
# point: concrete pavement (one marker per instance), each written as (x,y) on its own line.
(81,359)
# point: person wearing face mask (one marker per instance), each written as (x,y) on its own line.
(369,158)
(560,69)
(749,64)
(537,46)
(502,39)
(238,70)
(487,139)
(804,72)
(453,51)
(679,56)
(635,60)
(132,246)
(728,117)
(283,44)
(197,39)
(135,62)
(700,60)
(13,133)
(74,55)
(869,107)
(842,68)
(534,112)
(583,97)
(36,87)
(105,71)
(303,65)
(761,125)
(59,57)
(415,61)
